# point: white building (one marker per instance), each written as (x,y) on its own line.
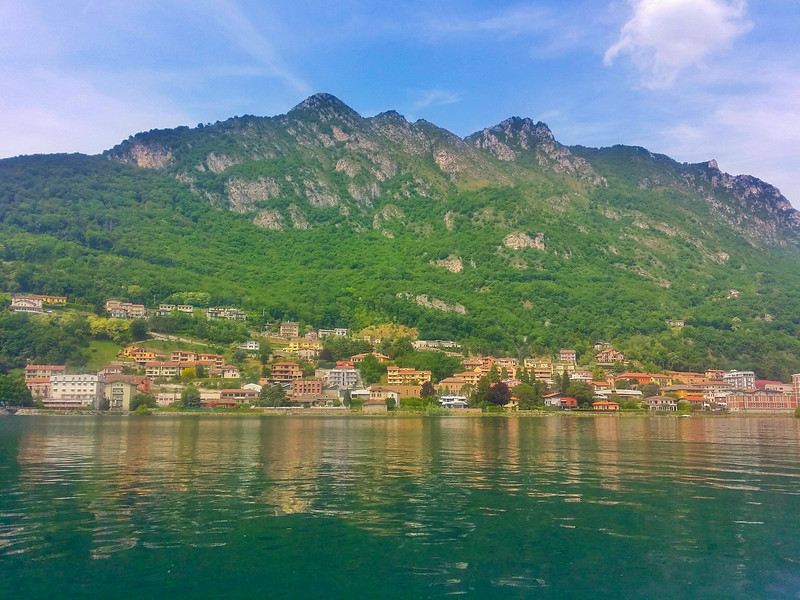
(342,378)
(75,391)
(340,331)
(453,401)
(740,380)
(26,304)
(251,345)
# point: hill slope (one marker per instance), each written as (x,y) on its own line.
(505,238)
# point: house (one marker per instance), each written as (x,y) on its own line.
(450,385)
(316,400)
(470,377)
(560,401)
(286,371)
(686,377)
(509,364)
(75,391)
(584,376)
(609,356)
(605,405)
(421,345)
(41,371)
(112,369)
(675,323)
(453,401)
(661,403)
(374,407)
(227,313)
(381,358)
(567,356)
(142,384)
(382,392)
(472,363)
(405,376)
(238,395)
(773,386)
(226,372)
(217,360)
(289,329)
(138,354)
(733,294)
(250,345)
(340,331)
(628,394)
(541,367)
(55,300)
(125,310)
(164,368)
(714,374)
(26,304)
(119,394)
(645,378)
(306,387)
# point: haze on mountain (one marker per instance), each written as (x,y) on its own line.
(506,239)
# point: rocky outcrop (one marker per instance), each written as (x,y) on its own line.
(519,240)
(145,156)
(244,194)
(452,263)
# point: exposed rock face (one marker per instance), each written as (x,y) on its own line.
(515,137)
(519,240)
(217,164)
(269,219)
(244,194)
(145,156)
(299,220)
(451,263)
(423,300)
(319,194)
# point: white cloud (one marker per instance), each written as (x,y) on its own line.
(664,37)
(753,132)
(435,97)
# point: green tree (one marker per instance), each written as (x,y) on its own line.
(598,374)
(650,389)
(371,370)
(347,399)
(272,394)
(190,397)
(493,376)
(527,395)
(200,371)
(144,399)
(498,394)
(581,391)
(14,392)
(139,330)
(480,394)
(427,390)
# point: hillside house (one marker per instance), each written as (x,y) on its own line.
(405,376)
(26,304)
(609,356)
(42,371)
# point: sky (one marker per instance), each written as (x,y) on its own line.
(693,79)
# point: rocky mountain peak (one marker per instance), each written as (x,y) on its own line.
(326,107)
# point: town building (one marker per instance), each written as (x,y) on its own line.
(250,346)
(119,394)
(237,396)
(740,380)
(75,391)
(567,356)
(374,407)
(343,377)
(609,356)
(384,392)
(164,368)
(381,358)
(125,310)
(605,405)
(139,354)
(227,313)
(340,331)
(290,329)
(760,401)
(661,403)
(286,371)
(306,387)
(406,376)
(453,401)
(141,383)
(26,304)
(42,371)
(420,345)
(39,387)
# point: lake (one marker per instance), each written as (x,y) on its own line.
(603,506)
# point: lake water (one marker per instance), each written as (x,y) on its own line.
(282,507)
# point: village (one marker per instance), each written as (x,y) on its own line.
(295,377)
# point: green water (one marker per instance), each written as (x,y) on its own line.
(595,507)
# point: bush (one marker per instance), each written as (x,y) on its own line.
(142,410)
(797,412)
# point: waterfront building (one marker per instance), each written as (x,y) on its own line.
(740,380)
(75,391)
(41,371)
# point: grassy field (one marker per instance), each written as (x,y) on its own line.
(100,353)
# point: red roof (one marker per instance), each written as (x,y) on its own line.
(51,367)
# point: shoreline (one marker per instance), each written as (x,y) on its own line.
(339,413)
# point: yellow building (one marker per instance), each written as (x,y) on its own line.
(405,376)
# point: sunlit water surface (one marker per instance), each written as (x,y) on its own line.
(554,507)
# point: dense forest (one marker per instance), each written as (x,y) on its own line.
(523,261)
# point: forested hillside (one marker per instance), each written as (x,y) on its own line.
(504,240)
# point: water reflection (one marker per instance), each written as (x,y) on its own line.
(445,491)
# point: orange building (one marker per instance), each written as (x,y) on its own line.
(286,371)
(41,371)
(605,405)
(405,376)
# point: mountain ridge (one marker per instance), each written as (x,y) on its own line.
(503,239)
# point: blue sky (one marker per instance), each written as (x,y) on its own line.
(694,79)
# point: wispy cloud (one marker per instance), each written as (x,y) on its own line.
(248,38)
(435,97)
(514,21)
(664,37)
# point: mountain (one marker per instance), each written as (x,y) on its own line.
(505,239)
